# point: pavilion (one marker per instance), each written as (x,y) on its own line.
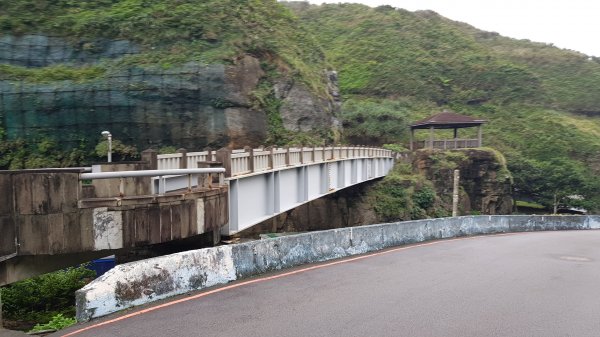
(447,120)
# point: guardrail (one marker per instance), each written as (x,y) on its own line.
(161,175)
(250,160)
(183,159)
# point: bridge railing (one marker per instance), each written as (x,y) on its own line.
(253,160)
(194,178)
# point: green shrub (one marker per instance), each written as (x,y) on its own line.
(40,298)
(395,147)
(57,322)
(424,198)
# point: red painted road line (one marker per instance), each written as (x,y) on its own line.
(268,278)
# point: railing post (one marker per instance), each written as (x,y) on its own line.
(183,160)
(150,156)
(121,187)
(271,159)
(287,156)
(224,156)
(250,151)
(209,154)
(206,180)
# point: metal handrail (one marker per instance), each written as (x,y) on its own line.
(161,174)
(148,173)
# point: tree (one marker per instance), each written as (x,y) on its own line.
(552,183)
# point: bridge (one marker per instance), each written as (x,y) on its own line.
(53,218)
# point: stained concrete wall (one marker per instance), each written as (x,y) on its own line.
(145,281)
(44,217)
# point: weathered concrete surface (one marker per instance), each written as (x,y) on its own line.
(144,281)
(48,216)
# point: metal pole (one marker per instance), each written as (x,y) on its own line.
(455,194)
(108,136)
(109,148)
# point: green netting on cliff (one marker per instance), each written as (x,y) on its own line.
(143,106)
(40,50)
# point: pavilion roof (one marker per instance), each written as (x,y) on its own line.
(447,120)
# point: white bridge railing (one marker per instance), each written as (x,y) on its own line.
(249,160)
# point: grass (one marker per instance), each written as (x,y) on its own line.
(51,73)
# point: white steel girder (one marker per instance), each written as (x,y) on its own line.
(257,197)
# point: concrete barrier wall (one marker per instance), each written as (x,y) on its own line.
(149,280)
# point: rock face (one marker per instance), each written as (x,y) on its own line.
(302,110)
(484,180)
(192,105)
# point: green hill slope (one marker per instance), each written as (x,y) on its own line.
(173,32)
(190,73)
(397,66)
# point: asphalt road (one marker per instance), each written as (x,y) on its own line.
(534,284)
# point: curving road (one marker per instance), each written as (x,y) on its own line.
(534,284)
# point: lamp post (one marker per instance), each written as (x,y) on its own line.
(108,136)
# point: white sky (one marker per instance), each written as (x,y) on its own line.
(573,24)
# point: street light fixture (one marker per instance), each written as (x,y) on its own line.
(108,136)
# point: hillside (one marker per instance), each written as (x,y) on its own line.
(397,66)
(212,73)
(156,73)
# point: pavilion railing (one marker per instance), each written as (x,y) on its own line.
(446,144)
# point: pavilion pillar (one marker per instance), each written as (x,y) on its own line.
(412,137)
(431,137)
(479,136)
(455,133)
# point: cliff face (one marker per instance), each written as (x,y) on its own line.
(485,182)
(192,105)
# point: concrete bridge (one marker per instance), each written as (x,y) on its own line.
(53,218)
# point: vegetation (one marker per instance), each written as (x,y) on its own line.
(49,74)
(57,322)
(398,66)
(39,299)
(170,33)
(44,152)
(395,66)
(404,195)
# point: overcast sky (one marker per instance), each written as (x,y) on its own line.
(573,24)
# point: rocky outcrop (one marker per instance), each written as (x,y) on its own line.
(302,110)
(485,181)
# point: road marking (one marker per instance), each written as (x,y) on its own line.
(273,277)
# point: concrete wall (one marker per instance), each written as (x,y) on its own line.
(38,209)
(44,215)
(145,281)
